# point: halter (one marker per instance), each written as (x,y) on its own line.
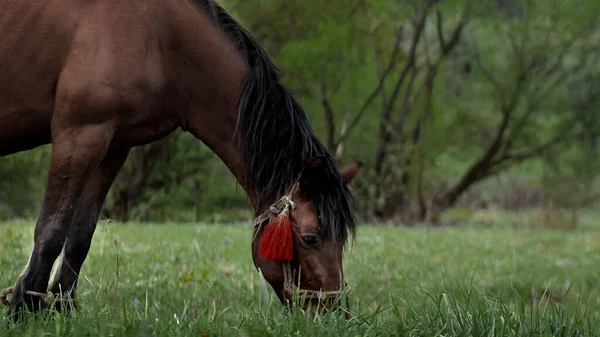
(286,204)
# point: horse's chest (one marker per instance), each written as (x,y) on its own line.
(144,128)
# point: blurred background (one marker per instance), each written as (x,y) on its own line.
(459,109)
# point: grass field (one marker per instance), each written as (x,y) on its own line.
(199,280)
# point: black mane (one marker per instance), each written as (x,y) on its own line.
(276,137)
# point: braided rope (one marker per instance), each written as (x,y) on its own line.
(48,297)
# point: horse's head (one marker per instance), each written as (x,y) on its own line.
(291,248)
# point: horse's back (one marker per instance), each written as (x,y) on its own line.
(53,50)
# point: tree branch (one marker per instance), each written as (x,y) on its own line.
(329,124)
(478,170)
(419,27)
(486,73)
(370,99)
(440,29)
(508,160)
(384,133)
(406,102)
(447,46)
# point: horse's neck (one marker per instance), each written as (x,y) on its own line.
(209,75)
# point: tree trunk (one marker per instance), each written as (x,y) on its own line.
(131,183)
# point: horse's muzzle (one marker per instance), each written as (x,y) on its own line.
(314,297)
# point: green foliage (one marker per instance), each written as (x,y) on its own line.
(450,281)
(21,183)
(187,183)
(536,60)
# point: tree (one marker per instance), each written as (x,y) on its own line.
(413,83)
(175,164)
(531,113)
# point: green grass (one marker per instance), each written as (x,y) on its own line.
(199,280)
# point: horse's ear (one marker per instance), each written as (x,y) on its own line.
(313,178)
(351,169)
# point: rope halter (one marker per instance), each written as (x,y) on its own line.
(283,207)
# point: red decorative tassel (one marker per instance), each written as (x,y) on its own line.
(277,242)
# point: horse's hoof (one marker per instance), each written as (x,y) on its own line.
(22,305)
(17,312)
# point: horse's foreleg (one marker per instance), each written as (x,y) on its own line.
(82,229)
(77,152)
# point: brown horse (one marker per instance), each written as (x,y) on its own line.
(97,77)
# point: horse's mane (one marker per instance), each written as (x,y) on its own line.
(276,137)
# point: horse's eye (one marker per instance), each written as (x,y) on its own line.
(311,240)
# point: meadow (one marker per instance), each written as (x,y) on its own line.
(479,279)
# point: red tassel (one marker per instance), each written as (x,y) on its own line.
(277,242)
